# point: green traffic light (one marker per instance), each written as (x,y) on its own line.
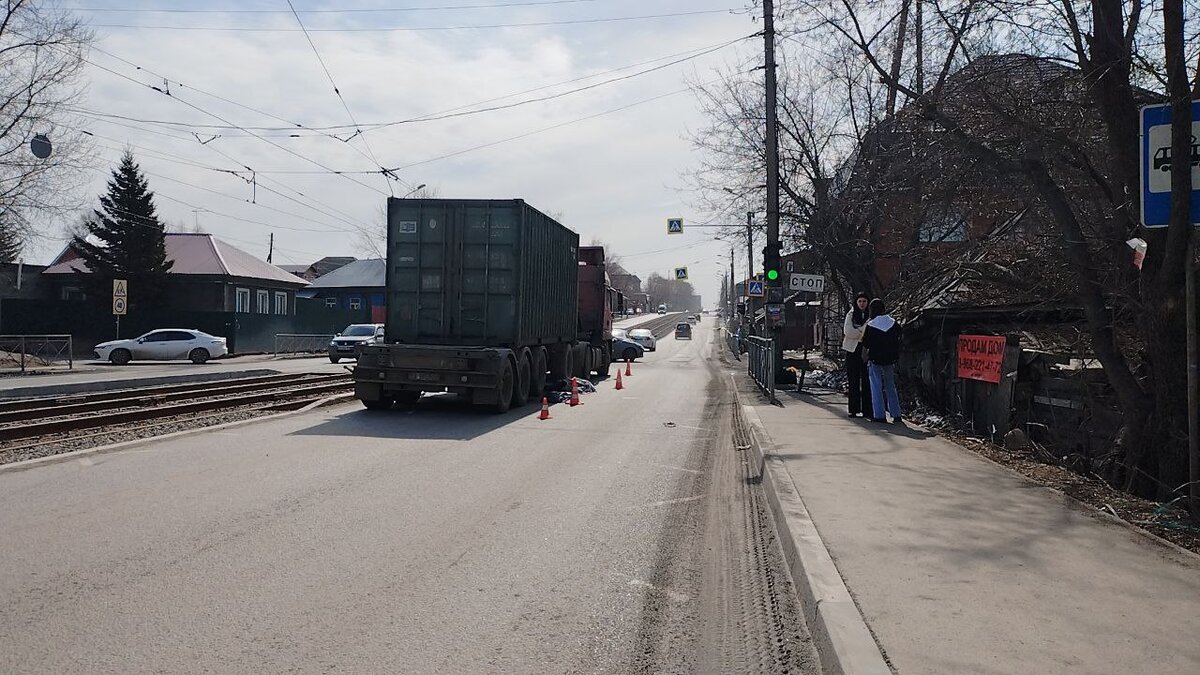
(772,274)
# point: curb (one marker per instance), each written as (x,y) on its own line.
(60,458)
(840,632)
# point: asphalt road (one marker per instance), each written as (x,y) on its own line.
(622,536)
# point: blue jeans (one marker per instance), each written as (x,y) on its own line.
(883,389)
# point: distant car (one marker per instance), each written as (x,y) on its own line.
(662,309)
(620,333)
(168,344)
(683,330)
(346,343)
(693,318)
(626,350)
(644,338)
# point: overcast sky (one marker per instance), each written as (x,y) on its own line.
(616,176)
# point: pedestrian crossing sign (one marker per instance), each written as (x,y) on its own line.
(680,274)
(674,225)
(120,288)
(756,289)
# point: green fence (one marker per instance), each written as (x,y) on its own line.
(89,323)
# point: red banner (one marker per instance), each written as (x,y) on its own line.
(981,357)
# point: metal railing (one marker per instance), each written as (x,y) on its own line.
(731,341)
(761,363)
(36,351)
(297,343)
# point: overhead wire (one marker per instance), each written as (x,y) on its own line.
(348,10)
(357,130)
(406,29)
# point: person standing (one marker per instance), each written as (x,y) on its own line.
(881,340)
(856,367)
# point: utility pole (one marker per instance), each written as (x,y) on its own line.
(771,254)
(1193,379)
(749,245)
(271,247)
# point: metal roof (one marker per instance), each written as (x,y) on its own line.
(369,273)
(195,254)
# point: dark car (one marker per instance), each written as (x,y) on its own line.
(683,330)
(626,350)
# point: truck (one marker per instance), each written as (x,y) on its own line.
(485,299)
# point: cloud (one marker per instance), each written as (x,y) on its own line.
(613,177)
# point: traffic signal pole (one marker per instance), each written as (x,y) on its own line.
(771,254)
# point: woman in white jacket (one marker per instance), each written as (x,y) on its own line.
(856,368)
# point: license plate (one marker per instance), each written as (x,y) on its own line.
(424,377)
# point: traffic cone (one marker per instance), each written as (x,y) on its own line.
(628,366)
(574,392)
(620,386)
(545,414)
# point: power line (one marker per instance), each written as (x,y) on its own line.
(357,130)
(352,10)
(371,126)
(406,29)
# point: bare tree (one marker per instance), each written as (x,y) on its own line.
(41,63)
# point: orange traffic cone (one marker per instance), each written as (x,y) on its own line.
(574,392)
(620,386)
(628,366)
(545,414)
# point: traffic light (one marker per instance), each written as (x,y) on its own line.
(771,262)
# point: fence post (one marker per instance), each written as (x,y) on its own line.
(22,353)
(70,352)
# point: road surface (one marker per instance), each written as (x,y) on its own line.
(621,536)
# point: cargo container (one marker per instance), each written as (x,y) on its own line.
(483,301)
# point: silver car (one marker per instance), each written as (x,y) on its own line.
(163,345)
(644,338)
(346,343)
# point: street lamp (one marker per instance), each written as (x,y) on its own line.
(413,190)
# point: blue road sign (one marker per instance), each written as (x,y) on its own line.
(756,289)
(681,274)
(674,225)
(1156,164)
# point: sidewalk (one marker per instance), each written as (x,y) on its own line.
(961,566)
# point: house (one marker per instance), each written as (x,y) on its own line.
(19,280)
(207,275)
(318,269)
(358,285)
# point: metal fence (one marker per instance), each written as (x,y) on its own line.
(35,351)
(761,362)
(731,341)
(296,343)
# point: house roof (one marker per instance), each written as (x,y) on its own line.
(294,269)
(199,254)
(330,263)
(369,273)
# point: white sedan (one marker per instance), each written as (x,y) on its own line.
(644,338)
(164,345)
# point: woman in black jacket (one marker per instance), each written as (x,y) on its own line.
(881,340)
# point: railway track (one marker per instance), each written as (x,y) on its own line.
(69,421)
(661,324)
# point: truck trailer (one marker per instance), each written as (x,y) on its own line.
(485,299)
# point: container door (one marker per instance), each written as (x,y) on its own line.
(419,271)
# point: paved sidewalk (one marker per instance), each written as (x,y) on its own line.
(961,566)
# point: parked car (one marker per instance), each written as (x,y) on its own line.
(692,318)
(166,344)
(644,338)
(346,343)
(625,349)
(683,330)
(620,333)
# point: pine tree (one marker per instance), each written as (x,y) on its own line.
(130,238)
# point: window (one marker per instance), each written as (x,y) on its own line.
(264,302)
(242,296)
(331,303)
(280,302)
(355,303)
(942,228)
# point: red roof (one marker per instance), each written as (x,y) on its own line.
(198,254)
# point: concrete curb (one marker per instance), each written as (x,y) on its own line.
(73,388)
(28,464)
(839,630)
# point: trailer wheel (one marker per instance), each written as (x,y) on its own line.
(384,403)
(605,361)
(520,394)
(537,383)
(504,387)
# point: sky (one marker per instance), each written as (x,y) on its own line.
(608,160)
